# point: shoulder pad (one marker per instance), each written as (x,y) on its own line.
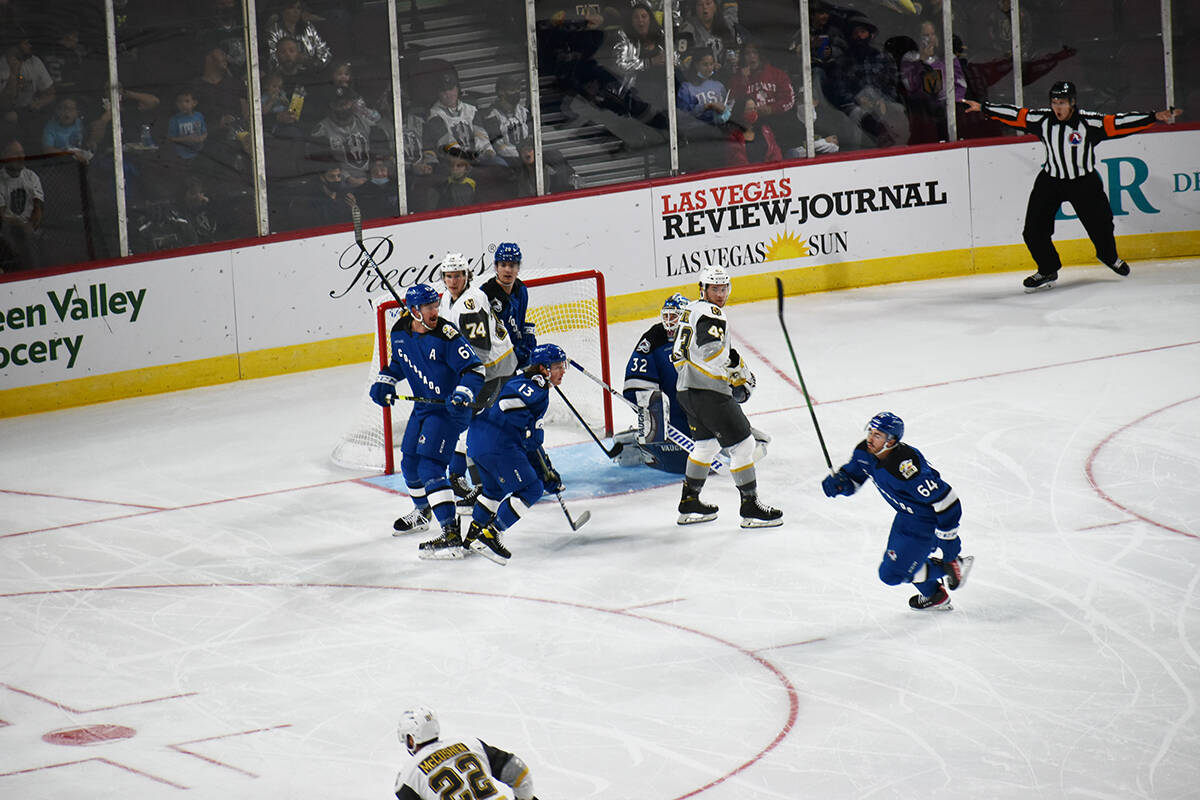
(903,462)
(446,330)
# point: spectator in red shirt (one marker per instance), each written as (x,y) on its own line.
(751,142)
(771,90)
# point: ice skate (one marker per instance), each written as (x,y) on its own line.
(1039,281)
(414,521)
(464,506)
(938,601)
(956,570)
(447,546)
(756,515)
(1121,268)
(485,540)
(692,509)
(459,485)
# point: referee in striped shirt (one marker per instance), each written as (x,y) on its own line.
(1069,173)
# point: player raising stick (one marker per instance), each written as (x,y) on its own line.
(506,444)
(927,512)
(467,308)
(441,767)
(510,300)
(713,381)
(439,365)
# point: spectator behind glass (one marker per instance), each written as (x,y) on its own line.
(21,205)
(458,189)
(639,54)
(187,129)
(557,173)
(324,201)
(771,90)
(827,45)
(866,77)
(65,131)
(66,59)
(709,30)
(454,122)
(25,85)
(220,96)
(751,142)
(377,197)
(222,27)
(507,122)
(921,74)
(341,79)
(292,21)
(704,105)
(348,138)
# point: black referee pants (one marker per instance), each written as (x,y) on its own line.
(1086,195)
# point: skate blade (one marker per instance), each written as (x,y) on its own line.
(418,529)
(946,606)
(692,519)
(1032,289)
(445,554)
(747,522)
(967,563)
(485,551)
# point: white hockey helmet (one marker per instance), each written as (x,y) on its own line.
(417,727)
(713,276)
(454,262)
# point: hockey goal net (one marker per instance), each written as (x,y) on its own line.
(569,310)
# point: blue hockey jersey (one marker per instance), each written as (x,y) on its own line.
(908,483)
(511,309)
(650,369)
(514,420)
(433,363)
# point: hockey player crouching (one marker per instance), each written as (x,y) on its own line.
(505,442)
(441,367)
(713,381)
(927,512)
(468,309)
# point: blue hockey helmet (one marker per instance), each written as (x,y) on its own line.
(508,252)
(672,307)
(547,354)
(419,295)
(888,423)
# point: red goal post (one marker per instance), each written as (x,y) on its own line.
(569,310)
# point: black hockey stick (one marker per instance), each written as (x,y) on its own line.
(582,519)
(610,452)
(796,364)
(356,217)
(676,436)
(437,401)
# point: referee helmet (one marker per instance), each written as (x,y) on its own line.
(1064,90)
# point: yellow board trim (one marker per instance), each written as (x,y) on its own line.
(643,305)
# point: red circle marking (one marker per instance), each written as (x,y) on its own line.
(89,735)
(1091,476)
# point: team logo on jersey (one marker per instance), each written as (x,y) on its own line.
(421,439)
(715,311)
(496,305)
(451,331)
(643,346)
(1075,138)
(469,303)
(908,468)
(891,554)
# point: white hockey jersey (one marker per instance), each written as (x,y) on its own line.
(702,354)
(472,314)
(447,767)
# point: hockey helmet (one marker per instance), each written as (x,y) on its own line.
(417,727)
(508,252)
(887,423)
(454,262)
(1064,90)
(713,276)
(672,308)
(547,354)
(419,295)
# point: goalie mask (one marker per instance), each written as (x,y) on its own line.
(672,310)
(418,727)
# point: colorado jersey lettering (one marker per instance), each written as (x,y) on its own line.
(433,363)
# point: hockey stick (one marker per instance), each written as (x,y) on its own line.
(610,452)
(356,217)
(796,364)
(577,523)
(435,400)
(677,437)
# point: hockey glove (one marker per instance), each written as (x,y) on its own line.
(552,480)
(458,405)
(839,483)
(383,391)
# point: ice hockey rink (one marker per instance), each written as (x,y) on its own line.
(195,602)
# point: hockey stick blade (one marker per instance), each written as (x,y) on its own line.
(577,522)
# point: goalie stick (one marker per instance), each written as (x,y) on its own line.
(676,436)
(582,519)
(796,364)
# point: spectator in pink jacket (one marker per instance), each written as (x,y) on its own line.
(751,142)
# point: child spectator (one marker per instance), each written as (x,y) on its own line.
(459,188)
(65,131)
(187,128)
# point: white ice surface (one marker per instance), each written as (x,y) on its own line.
(192,567)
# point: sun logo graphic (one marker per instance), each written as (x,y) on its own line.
(785,246)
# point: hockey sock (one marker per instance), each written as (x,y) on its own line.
(509,512)
(417,493)
(441,499)
(485,509)
(925,580)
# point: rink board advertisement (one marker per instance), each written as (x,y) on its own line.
(807,216)
(301,303)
